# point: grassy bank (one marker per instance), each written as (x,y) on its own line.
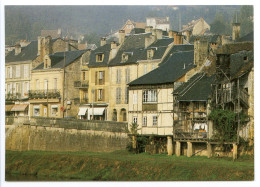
(123,166)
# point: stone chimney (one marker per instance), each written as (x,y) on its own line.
(113,51)
(121,36)
(103,41)
(187,34)
(171,34)
(158,33)
(235,31)
(39,45)
(148,29)
(48,45)
(201,51)
(178,39)
(17,49)
(149,40)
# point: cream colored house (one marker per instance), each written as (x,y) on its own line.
(53,90)
(150,96)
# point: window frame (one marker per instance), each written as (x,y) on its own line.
(150,96)
(144,121)
(155,120)
(135,119)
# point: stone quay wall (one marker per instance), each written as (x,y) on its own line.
(53,134)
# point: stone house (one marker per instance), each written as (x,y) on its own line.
(195,27)
(129,25)
(18,66)
(158,23)
(53,92)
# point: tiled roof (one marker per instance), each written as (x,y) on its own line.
(210,38)
(162,42)
(197,88)
(137,31)
(248,37)
(57,59)
(176,66)
(28,53)
(105,49)
(134,41)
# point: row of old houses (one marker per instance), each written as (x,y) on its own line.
(165,82)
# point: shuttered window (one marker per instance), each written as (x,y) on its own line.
(118,95)
(118,76)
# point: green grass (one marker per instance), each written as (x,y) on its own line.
(124,166)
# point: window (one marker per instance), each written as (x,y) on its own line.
(45,86)
(84,76)
(145,69)
(101,78)
(118,76)
(26,70)
(45,64)
(17,71)
(204,105)
(17,88)
(196,105)
(127,75)
(135,119)
(54,110)
(100,57)
(118,95)
(9,90)
(149,96)
(144,121)
(9,72)
(154,120)
(55,80)
(114,117)
(245,58)
(149,54)
(99,94)
(36,110)
(124,57)
(135,98)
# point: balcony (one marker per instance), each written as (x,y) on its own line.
(43,94)
(81,84)
(14,96)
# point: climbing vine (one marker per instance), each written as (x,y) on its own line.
(226,124)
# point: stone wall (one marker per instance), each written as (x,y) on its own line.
(65,135)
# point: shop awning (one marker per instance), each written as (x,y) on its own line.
(97,111)
(19,108)
(8,108)
(82,111)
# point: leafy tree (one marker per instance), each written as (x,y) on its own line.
(220,25)
(246,18)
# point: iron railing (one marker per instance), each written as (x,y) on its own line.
(40,94)
(81,84)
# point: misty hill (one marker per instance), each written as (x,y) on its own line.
(26,22)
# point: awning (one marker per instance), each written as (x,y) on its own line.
(8,108)
(19,108)
(97,111)
(82,111)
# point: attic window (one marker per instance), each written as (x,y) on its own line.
(46,64)
(150,54)
(245,58)
(99,57)
(124,57)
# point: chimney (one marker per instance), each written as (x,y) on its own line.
(149,40)
(200,51)
(39,45)
(18,49)
(158,33)
(113,51)
(187,34)
(178,39)
(148,29)
(121,36)
(171,33)
(67,45)
(103,41)
(235,31)
(47,45)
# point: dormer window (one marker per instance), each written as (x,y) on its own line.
(124,57)
(47,62)
(99,57)
(150,53)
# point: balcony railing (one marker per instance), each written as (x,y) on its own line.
(81,84)
(43,94)
(180,134)
(231,95)
(15,96)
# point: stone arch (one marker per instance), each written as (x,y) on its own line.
(123,115)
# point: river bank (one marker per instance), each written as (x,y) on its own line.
(124,166)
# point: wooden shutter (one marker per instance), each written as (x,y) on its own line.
(96,78)
(103,94)
(96,92)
